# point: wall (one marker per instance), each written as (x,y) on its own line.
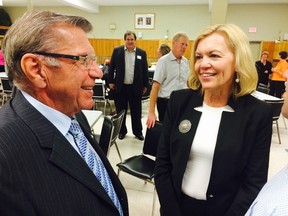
(268,18)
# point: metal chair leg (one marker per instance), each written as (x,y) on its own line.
(118,151)
(277,126)
(154,201)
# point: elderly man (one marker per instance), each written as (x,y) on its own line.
(49,164)
(171,74)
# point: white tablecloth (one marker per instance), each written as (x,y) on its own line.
(263,96)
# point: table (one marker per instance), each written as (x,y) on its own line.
(3,74)
(92,116)
(263,96)
(100,81)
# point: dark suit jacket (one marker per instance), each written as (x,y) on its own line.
(117,70)
(241,157)
(41,173)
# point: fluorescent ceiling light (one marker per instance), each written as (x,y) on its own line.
(83,5)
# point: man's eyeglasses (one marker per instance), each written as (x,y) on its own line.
(85,60)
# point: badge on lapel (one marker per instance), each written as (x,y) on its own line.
(139,57)
(185,126)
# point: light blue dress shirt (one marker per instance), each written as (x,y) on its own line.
(273,198)
(61,121)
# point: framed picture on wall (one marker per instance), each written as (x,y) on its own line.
(144,21)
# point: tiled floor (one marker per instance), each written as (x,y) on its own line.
(140,195)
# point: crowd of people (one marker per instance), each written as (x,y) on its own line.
(213,153)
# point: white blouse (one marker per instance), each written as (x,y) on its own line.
(197,174)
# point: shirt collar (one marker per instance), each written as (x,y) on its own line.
(172,56)
(61,121)
(226,108)
(134,50)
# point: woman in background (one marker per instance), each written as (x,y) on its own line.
(213,153)
(277,86)
(263,67)
(163,50)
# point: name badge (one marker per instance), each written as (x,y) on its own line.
(139,57)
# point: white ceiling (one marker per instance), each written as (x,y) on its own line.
(92,5)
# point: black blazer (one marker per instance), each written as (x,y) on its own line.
(117,70)
(41,173)
(241,156)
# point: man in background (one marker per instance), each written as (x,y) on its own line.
(171,74)
(128,78)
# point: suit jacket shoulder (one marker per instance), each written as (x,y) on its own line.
(42,173)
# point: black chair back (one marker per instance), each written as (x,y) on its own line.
(7,88)
(99,91)
(263,89)
(106,135)
(152,139)
(117,120)
(276,111)
(276,108)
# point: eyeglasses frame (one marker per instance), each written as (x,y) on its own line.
(72,57)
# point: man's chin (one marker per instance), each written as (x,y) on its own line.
(88,106)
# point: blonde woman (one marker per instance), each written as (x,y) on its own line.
(213,154)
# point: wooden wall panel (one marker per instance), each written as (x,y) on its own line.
(268,46)
(280,46)
(104,48)
(274,48)
(188,52)
(150,46)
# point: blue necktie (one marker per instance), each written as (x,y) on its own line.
(94,162)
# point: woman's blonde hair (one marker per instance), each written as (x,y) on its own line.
(245,68)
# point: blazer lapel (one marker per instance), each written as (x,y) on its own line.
(65,157)
(63,154)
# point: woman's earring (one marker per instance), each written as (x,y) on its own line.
(237,78)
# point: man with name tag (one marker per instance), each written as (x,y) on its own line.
(128,78)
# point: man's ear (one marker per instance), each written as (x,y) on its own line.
(32,68)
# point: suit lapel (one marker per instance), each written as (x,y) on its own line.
(63,154)
(65,157)
(122,58)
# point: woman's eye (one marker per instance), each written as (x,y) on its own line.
(214,56)
(197,57)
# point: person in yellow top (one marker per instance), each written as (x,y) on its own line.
(277,86)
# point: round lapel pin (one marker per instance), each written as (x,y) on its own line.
(185,126)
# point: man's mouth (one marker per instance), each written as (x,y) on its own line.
(87,88)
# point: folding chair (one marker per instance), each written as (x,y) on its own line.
(142,166)
(276,110)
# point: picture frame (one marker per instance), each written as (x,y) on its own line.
(144,21)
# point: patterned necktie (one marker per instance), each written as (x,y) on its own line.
(94,162)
